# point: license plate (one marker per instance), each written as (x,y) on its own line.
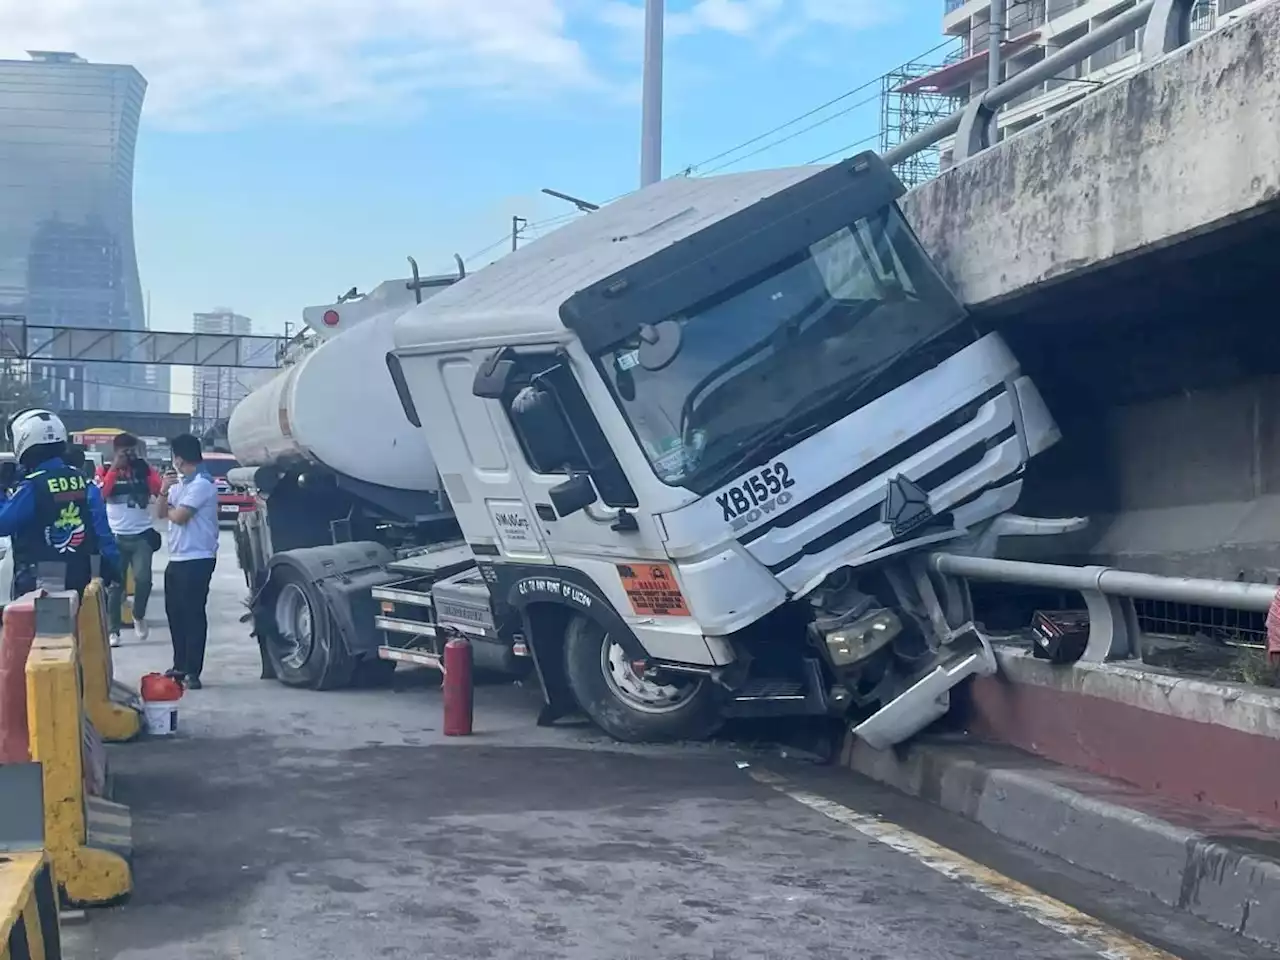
(231,509)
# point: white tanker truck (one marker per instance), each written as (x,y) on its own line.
(683,456)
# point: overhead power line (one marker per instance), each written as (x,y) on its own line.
(792,136)
(694,167)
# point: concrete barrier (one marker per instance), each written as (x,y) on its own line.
(89,839)
(1214,864)
(1201,743)
(28,908)
(29,921)
(19,630)
(107,704)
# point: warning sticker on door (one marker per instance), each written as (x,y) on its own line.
(652,590)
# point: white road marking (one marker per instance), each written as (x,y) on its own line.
(1080,928)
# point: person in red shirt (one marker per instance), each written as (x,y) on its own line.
(128,486)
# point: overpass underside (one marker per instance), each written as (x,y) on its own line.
(1129,248)
(1164,373)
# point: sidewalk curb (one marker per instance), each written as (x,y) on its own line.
(1213,870)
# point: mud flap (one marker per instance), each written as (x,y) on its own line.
(928,699)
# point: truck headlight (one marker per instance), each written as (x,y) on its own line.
(856,641)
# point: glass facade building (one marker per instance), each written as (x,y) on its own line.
(67,134)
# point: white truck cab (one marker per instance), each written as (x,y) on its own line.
(699,441)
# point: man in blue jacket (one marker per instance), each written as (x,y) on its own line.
(56,520)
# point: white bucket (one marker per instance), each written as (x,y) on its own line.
(161,717)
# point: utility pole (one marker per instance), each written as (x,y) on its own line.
(651,110)
(517,224)
(995,68)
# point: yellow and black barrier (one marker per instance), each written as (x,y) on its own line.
(29,922)
(28,908)
(109,706)
(88,838)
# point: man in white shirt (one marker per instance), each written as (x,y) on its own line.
(189,501)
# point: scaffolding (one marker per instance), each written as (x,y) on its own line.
(904,112)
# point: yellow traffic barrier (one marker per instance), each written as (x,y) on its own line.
(116,722)
(89,839)
(28,893)
(28,908)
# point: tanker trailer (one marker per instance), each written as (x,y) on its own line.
(345,487)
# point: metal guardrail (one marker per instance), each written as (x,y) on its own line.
(1165,24)
(1108,594)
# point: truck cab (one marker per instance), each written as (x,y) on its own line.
(697,442)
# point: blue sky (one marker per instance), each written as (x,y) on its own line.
(292,150)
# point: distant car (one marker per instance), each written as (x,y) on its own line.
(231,501)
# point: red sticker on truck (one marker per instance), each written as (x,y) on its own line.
(652,590)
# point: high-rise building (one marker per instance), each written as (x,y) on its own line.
(67,135)
(218,389)
(1034,29)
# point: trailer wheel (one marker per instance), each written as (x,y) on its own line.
(625,703)
(301,638)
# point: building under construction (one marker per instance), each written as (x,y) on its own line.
(908,105)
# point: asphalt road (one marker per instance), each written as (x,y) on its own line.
(282,825)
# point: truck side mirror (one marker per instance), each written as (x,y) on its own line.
(494,376)
(576,493)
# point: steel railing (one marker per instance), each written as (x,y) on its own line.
(1155,27)
(1109,595)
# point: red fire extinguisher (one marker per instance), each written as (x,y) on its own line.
(458,707)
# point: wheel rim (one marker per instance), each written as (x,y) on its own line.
(638,691)
(295,638)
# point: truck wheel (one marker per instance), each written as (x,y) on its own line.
(301,638)
(627,705)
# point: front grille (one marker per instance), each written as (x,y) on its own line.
(881,465)
(957,465)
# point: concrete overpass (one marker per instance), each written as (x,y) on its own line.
(1130,249)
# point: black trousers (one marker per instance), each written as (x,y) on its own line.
(186,596)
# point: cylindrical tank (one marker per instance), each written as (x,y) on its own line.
(337,407)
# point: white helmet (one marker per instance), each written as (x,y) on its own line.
(33,428)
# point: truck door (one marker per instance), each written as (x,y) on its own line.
(583,503)
(555,438)
(483,484)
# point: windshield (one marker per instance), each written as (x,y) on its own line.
(786,352)
(219,466)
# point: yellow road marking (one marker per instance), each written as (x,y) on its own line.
(1080,928)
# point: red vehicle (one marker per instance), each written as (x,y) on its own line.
(231,501)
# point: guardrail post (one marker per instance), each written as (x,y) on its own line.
(1167,29)
(1113,628)
(975,131)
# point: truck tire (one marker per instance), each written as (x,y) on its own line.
(628,707)
(300,637)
